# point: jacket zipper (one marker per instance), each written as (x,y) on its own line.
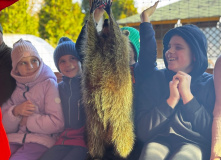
(64,138)
(69,105)
(79,109)
(27,89)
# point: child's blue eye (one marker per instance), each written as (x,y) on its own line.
(34,60)
(22,63)
(178,48)
(61,62)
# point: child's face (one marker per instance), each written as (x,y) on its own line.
(179,56)
(69,66)
(27,66)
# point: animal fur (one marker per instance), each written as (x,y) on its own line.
(107,89)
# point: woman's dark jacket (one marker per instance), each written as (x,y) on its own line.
(7,83)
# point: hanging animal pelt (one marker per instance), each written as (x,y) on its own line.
(107,87)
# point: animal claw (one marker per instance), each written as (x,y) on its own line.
(108,4)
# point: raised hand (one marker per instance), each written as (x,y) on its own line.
(24,109)
(145,15)
(174,93)
(106,4)
(94,4)
(184,86)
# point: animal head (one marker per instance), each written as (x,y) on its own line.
(105,30)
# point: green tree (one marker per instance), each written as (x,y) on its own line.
(121,8)
(85,6)
(19,19)
(59,18)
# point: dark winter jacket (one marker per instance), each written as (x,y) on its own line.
(74,115)
(154,117)
(7,83)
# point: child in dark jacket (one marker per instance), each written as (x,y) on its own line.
(174,105)
(70,144)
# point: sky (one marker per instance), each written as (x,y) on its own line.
(140,4)
(143,4)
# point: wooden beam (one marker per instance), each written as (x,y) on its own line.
(192,20)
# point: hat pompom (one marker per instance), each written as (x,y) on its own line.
(63,39)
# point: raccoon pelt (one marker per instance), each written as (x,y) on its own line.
(107,89)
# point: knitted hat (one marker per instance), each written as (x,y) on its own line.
(134,38)
(197,42)
(65,47)
(22,48)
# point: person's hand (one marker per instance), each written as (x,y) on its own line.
(23,121)
(24,109)
(216,159)
(184,86)
(145,15)
(174,93)
(98,13)
(94,4)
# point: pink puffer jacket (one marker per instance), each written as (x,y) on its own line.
(47,120)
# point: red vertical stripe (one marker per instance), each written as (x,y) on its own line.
(4,145)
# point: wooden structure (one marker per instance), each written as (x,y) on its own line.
(203,13)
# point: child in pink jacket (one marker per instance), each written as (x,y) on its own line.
(33,114)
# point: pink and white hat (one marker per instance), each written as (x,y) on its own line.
(23,48)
